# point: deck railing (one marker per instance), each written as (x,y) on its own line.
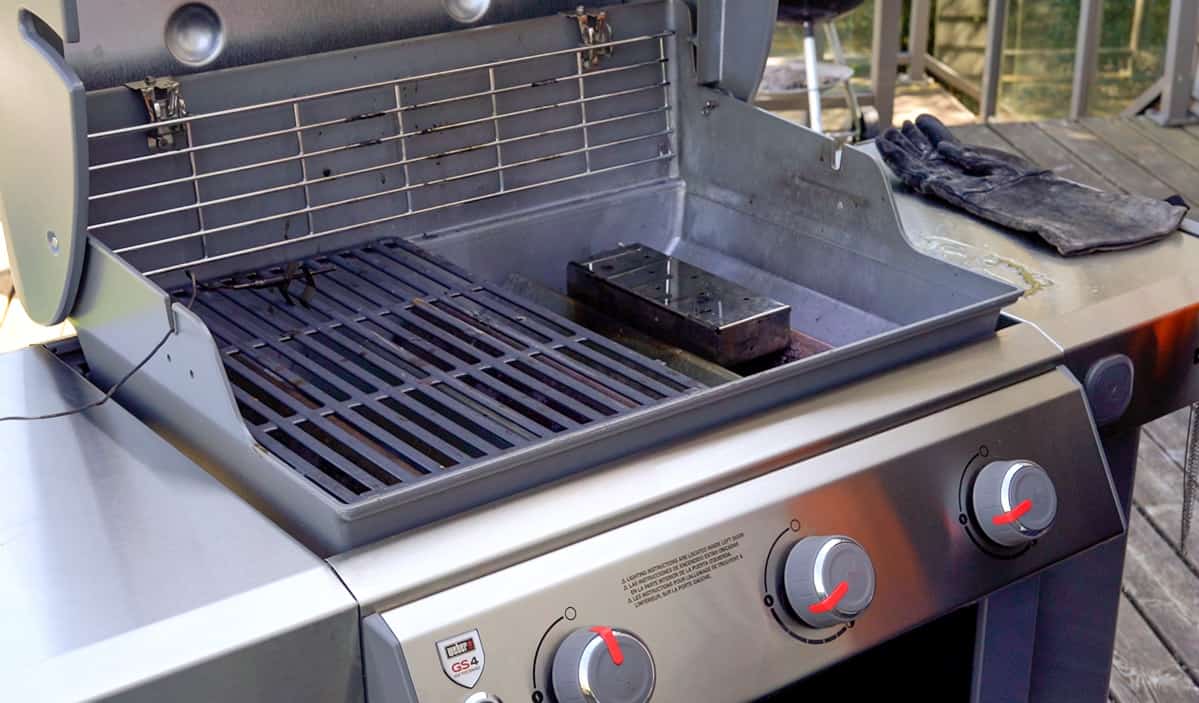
(1176,92)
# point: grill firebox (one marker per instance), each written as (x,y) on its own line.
(355,385)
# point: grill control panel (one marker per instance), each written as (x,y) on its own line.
(742,591)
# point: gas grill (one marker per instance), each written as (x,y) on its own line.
(348,233)
(544,338)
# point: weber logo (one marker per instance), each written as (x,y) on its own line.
(462,658)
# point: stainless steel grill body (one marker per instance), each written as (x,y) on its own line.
(507,150)
(331,244)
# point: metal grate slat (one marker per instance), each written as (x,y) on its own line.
(304,315)
(510,315)
(381,365)
(347,293)
(516,325)
(362,460)
(614,394)
(501,428)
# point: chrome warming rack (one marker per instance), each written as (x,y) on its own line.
(335,161)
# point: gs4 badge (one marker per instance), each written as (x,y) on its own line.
(462,658)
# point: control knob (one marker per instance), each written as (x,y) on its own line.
(828,580)
(602,665)
(1014,501)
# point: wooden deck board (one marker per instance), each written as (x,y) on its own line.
(1158,496)
(1105,159)
(1030,140)
(980,135)
(1143,669)
(1165,592)
(1170,433)
(1181,143)
(1134,145)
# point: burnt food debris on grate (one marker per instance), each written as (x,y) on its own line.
(381,365)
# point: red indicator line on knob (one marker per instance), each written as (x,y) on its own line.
(833,599)
(609,639)
(1014,514)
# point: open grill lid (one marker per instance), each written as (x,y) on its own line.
(106,45)
(121,42)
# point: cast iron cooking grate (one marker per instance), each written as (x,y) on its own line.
(382,365)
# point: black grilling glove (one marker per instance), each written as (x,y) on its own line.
(1010,191)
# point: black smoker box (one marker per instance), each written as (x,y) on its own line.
(331,246)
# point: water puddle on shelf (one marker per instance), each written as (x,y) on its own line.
(978,259)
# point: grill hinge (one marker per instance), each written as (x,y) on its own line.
(164,101)
(594,30)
